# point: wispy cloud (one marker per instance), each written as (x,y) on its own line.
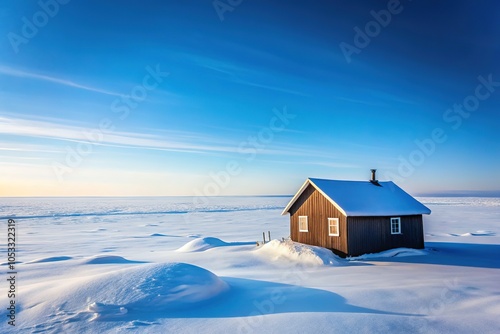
(270,87)
(175,141)
(359,101)
(240,74)
(164,140)
(332,164)
(4,70)
(10,147)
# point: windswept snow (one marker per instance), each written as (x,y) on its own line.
(395,252)
(290,251)
(50,259)
(478,234)
(131,295)
(167,287)
(108,259)
(202,271)
(203,244)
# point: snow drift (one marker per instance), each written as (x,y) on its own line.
(50,259)
(396,252)
(289,250)
(108,259)
(128,295)
(169,286)
(203,244)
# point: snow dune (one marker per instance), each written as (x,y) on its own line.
(108,259)
(395,252)
(479,233)
(163,235)
(167,286)
(134,297)
(288,250)
(203,244)
(475,234)
(50,259)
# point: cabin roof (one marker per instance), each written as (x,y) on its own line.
(364,198)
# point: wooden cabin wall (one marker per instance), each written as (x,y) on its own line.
(373,234)
(313,204)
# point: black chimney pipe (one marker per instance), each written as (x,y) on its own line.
(374,180)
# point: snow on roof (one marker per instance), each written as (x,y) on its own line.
(363,198)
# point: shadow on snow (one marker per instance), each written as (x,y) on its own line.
(249,298)
(454,254)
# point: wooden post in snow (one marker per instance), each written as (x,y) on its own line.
(264,236)
(269,233)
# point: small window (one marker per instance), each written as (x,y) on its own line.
(303,224)
(333,227)
(396,225)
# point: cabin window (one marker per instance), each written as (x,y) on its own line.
(303,224)
(396,225)
(333,227)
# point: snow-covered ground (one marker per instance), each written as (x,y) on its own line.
(178,265)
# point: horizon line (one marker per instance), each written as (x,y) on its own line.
(449,193)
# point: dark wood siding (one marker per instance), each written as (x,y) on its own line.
(318,209)
(373,234)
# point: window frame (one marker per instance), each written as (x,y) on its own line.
(306,222)
(336,220)
(398,222)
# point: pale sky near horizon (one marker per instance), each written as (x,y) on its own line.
(187,98)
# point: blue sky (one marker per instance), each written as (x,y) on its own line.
(178,101)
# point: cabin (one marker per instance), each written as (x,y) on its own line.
(352,218)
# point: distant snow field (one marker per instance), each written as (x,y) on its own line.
(180,265)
